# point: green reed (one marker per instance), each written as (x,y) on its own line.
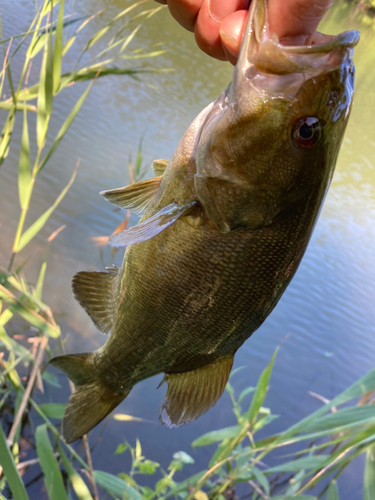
(336,434)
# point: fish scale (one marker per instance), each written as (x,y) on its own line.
(226,223)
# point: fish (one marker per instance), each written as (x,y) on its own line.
(225,225)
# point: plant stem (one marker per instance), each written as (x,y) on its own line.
(30,385)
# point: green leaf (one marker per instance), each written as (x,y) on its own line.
(215,436)
(24,174)
(6,134)
(244,393)
(184,485)
(52,475)
(332,492)
(115,485)
(360,387)
(312,463)
(121,448)
(183,457)
(33,318)
(53,410)
(369,479)
(354,416)
(148,467)
(138,449)
(34,229)
(294,497)
(45,92)
(261,478)
(79,486)
(57,50)
(10,471)
(260,391)
(42,273)
(128,479)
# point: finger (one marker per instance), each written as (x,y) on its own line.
(295,21)
(185,12)
(208,22)
(231,32)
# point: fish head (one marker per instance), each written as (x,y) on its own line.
(278,127)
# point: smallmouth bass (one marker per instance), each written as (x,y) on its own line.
(226,223)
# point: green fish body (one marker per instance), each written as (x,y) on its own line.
(227,222)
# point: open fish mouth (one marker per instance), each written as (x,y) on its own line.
(261,50)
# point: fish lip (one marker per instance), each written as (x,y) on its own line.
(347,39)
(269,56)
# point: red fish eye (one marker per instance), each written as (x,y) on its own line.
(306,131)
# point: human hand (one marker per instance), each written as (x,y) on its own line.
(218,25)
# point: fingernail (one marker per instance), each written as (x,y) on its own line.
(227,38)
(218,9)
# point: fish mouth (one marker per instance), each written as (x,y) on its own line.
(262,51)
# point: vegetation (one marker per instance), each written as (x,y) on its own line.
(328,440)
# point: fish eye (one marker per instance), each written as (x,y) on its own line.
(306,132)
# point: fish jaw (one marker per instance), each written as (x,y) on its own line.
(251,163)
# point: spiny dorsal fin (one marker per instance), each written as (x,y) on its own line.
(94,291)
(159,166)
(152,226)
(134,197)
(191,394)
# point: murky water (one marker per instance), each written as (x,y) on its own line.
(327,312)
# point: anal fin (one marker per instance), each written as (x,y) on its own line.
(151,227)
(190,394)
(134,197)
(94,291)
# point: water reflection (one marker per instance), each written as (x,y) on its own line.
(327,310)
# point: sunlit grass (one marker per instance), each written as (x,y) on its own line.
(328,440)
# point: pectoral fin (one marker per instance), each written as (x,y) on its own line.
(191,394)
(159,166)
(134,197)
(152,226)
(94,291)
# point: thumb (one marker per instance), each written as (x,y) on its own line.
(294,21)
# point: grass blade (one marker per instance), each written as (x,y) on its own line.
(45,96)
(78,483)
(42,273)
(260,391)
(24,174)
(332,492)
(52,475)
(369,480)
(6,134)
(116,486)
(57,50)
(34,229)
(33,318)
(10,471)
(53,410)
(215,436)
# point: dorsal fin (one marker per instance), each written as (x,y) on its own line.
(94,291)
(151,227)
(190,394)
(159,166)
(135,196)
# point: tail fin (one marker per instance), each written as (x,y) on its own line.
(90,402)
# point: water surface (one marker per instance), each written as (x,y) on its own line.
(327,313)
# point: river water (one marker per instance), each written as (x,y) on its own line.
(327,313)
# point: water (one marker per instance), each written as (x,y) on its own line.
(327,313)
